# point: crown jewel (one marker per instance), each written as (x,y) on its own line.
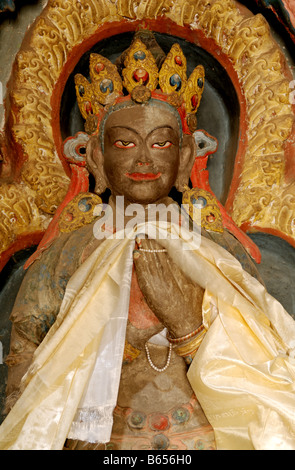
(140,68)
(140,78)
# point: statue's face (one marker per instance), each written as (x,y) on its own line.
(141,153)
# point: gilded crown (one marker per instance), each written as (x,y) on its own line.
(141,79)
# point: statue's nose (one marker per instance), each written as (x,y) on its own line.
(140,163)
(143,158)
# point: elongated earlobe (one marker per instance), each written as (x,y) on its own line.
(187,159)
(95,160)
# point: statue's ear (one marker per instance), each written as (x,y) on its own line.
(95,164)
(187,159)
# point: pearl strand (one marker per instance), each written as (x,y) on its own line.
(152,251)
(151,362)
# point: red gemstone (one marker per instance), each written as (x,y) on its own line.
(159,422)
(88,108)
(141,74)
(210,218)
(99,67)
(69,217)
(195,101)
(178,60)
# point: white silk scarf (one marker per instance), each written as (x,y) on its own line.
(243,374)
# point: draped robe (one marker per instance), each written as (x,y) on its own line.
(243,374)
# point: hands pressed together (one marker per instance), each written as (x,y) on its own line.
(174,299)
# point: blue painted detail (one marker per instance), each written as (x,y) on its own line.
(181,415)
(200,82)
(81,91)
(200,202)
(137,420)
(106,85)
(139,55)
(175,80)
(84,206)
(160,442)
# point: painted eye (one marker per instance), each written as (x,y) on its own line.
(124,144)
(162,145)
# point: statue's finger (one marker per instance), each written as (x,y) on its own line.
(136,255)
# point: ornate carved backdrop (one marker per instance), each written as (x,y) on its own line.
(35,177)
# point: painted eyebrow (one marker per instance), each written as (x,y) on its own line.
(161,127)
(124,127)
(133,130)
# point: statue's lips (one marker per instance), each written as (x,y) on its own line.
(144,176)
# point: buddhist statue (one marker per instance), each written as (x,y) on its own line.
(142,321)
